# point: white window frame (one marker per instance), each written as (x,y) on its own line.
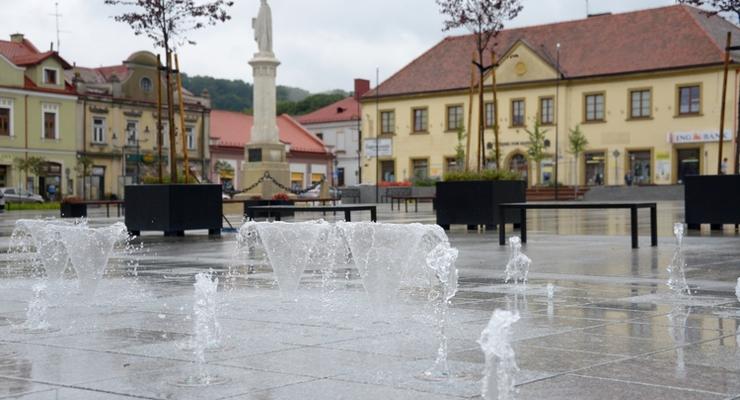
(103,126)
(190,132)
(128,142)
(8,104)
(50,108)
(56,75)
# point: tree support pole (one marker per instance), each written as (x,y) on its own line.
(724,103)
(183,134)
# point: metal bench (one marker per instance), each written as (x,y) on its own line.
(414,199)
(632,206)
(278,211)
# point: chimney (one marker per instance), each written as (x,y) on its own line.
(362,86)
(16,38)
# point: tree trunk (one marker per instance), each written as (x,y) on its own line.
(481,127)
(171,119)
(497,150)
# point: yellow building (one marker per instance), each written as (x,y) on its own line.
(644,87)
(37,119)
(118,105)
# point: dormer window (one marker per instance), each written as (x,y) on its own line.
(146,84)
(341,110)
(50,76)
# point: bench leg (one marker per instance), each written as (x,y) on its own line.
(633,226)
(654,226)
(347,216)
(374,214)
(416,205)
(406,205)
(501,227)
(523,224)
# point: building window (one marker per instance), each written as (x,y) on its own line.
(454,117)
(50,121)
(490,115)
(132,134)
(388,171)
(420,168)
(190,131)
(517,113)
(640,104)
(6,117)
(387,122)
(421,119)
(50,76)
(595,107)
(547,111)
(98,130)
(145,84)
(689,98)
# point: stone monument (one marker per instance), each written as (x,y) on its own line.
(264,152)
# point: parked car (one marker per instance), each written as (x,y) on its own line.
(15,195)
(315,192)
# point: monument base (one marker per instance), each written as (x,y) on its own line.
(265,158)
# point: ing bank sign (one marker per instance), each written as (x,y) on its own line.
(697,137)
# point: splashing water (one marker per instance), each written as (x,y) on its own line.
(677,329)
(495,341)
(737,290)
(36,312)
(441,260)
(518,266)
(677,268)
(43,235)
(550,291)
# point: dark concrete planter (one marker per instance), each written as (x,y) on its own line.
(475,202)
(173,209)
(264,214)
(73,210)
(711,199)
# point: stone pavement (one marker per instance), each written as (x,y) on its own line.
(612,331)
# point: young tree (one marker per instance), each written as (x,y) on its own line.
(29,165)
(167,23)
(577,143)
(536,151)
(484,19)
(460,148)
(714,7)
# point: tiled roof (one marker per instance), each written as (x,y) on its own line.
(234,129)
(343,110)
(648,40)
(25,53)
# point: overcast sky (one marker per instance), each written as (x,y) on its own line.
(322,44)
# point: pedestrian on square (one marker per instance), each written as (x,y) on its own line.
(723,167)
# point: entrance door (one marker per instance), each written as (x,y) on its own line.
(97,183)
(340,176)
(3,175)
(689,162)
(595,168)
(388,171)
(518,163)
(640,167)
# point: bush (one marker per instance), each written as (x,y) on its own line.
(52,205)
(153,180)
(485,175)
(281,196)
(395,184)
(425,182)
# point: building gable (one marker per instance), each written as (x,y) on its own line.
(522,64)
(10,74)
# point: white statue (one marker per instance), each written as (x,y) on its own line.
(262,26)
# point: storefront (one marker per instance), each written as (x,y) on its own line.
(594,168)
(639,170)
(688,162)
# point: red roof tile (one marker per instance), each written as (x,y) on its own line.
(233,129)
(343,110)
(25,53)
(647,40)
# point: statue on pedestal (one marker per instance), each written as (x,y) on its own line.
(262,26)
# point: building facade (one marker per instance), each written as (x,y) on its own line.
(644,88)
(118,129)
(37,120)
(308,158)
(338,125)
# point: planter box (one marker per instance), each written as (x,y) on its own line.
(73,210)
(711,199)
(173,209)
(263,214)
(475,202)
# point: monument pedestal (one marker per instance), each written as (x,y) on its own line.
(263,158)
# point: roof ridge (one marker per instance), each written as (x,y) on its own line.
(325,107)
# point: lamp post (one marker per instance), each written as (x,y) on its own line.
(616,155)
(557,122)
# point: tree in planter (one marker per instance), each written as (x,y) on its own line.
(536,150)
(167,23)
(29,165)
(83,170)
(460,148)
(577,143)
(484,19)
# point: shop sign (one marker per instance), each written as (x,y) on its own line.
(379,147)
(697,137)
